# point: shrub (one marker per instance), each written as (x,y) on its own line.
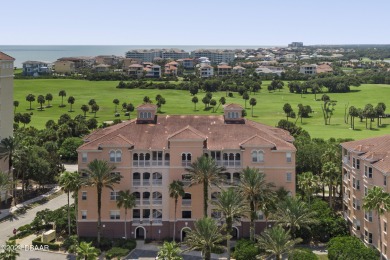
(70,244)
(302,254)
(22,234)
(116,252)
(245,250)
(349,247)
(129,244)
(26,227)
(52,246)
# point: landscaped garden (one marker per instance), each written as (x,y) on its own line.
(268,110)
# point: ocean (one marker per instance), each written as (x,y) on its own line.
(50,53)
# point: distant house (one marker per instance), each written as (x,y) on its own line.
(269,69)
(153,71)
(36,68)
(128,61)
(171,68)
(223,69)
(187,63)
(312,69)
(238,70)
(206,71)
(102,68)
(65,66)
(80,62)
(136,70)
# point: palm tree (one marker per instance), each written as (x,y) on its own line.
(125,200)
(99,176)
(8,151)
(10,251)
(62,94)
(85,109)
(245,96)
(116,102)
(206,236)
(205,171)
(308,183)
(379,201)
(276,242)
(294,214)
(87,252)
(5,183)
(330,173)
(16,104)
(49,98)
(169,251)
(232,206)
(195,100)
(30,98)
(95,107)
(253,103)
(41,100)
(69,182)
(176,190)
(255,189)
(71,101)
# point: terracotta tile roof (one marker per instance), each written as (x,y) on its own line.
(375,150)
(233,106)
(187,133)
(257,141)
(147,105)
(224,67)
(4,56)
(219,135)
(117,141)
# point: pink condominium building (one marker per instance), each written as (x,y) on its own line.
(366,163)
(153,150)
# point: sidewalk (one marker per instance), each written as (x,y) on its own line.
(6,212)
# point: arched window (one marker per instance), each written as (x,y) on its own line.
(186,159)
(136,179)
(146,198)
(187,199)
(112,156)
(115,156)
(157,179)
(137,196)
(157,198)
(146,178)
(186,178)
(166,159)
(215,195)
(257,156)
(135,159)
(227,178)
(236,178)
(149,115)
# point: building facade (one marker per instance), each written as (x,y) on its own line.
(215,56)
(35,68)
(151,151)
(6,102)
(65,66)
(365,164)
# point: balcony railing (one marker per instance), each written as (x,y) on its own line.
(186,202)
(145,182)
(157,182)
(228,163)
(157,201)
(137,202)
(157,221)
(136,221)
(145,202)
(136,182)
(150,163)
(346,159)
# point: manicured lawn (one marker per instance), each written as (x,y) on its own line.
(322,257)
(268,109)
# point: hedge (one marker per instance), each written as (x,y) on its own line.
(52,246)
(116,252)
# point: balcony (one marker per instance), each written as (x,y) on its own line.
(136,182)
(150,163)
(186,202)
(145,202)
(136,221)
(157,201)
(157,182)
(346,159)
(157,221)
(137,202)
(146,183)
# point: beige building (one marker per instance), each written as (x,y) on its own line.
(64,66)
(151,151)
(224,69)
(366,163)
(6,102)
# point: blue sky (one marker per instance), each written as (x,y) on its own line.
(200,22)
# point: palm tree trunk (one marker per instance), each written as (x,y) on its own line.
(205,197)
(125,223)
(207,254)
(99,193)
(76,207)
(174,223)
(229,225)
(68,213)
(252,224)
(380,235)
(330,195)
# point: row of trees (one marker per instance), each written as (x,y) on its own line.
(369,113)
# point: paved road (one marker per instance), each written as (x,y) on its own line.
(42,255)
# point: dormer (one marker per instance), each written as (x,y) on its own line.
(146,114)
(233,114)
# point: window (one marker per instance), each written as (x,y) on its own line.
(185,159)
(368,215)
(84,195)
(385,226)
(368,171)
(356,184)
(356,204)
(288,177)
(353,162)
(83,214)
(357,164)
(365,191)
(186,200)
(385,180)
(368,236)
(288,157)
(186,214)
(257,156)
(356,224)
(115,156)
(84,157)
(115,214)
(114,195)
